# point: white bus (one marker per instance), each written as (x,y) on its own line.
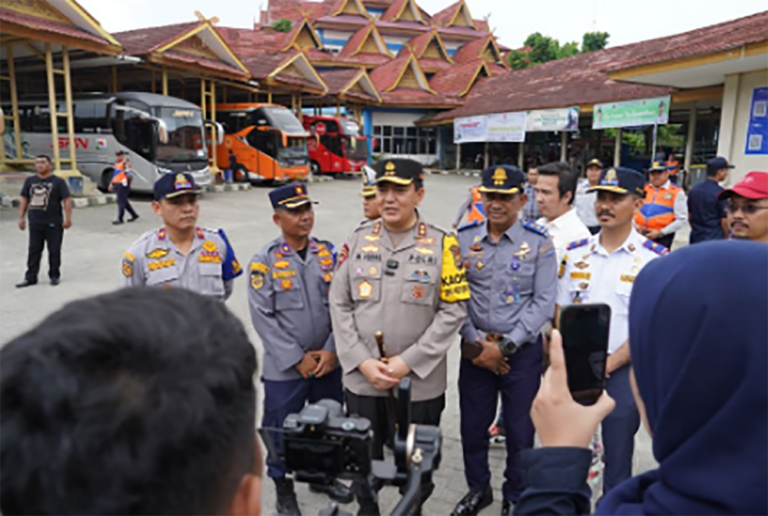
(161,135)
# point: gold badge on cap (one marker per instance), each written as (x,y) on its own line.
(610,178)
(389,169)
(181,182)
(499,176)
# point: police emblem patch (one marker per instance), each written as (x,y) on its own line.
(257,280)
(365,290)
(157,254)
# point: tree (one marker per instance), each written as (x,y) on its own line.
(568,50)
(282,25)
(594,41)
(519,59)
(543,48)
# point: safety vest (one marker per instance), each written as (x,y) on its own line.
(476,209)
(120,174)
(673,166)
(658,210)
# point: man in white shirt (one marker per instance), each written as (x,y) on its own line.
(555,193)
(585,198)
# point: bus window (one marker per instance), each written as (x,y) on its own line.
(133,132)
(91,117)
(332,143)
(264,141)
(185,138)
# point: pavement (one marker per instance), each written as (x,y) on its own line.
(92,253)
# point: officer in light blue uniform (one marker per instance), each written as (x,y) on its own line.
(602,269)
(512,271)
(288,299)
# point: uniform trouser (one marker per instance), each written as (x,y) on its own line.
(666,240)
(122,201)
(41,235)
(619,430)
(288,397)
(478,391)
(379,411)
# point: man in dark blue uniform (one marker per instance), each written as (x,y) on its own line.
(512,271)
(705,211)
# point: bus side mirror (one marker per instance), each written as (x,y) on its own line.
(2,122)
(285,140)
(219,130)
(162,131)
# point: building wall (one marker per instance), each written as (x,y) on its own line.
(737,105)
(404,120)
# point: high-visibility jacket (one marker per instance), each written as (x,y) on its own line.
(658,210)
(476,208)
(673,166)
(120,176)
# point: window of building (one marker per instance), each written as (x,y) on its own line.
(405,140)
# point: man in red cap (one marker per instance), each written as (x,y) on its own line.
(747,207)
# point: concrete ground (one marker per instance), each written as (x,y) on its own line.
(91,265)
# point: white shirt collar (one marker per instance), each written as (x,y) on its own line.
(561,221)
(630,245)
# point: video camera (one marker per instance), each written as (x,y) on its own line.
(320,444)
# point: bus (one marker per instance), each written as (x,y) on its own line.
(161,135)
(337,147)
(262,143)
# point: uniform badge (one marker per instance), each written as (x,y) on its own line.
(210,246)
(370,249)
(282,264)
(286,284)
(421,275)
(257,280)
(581,265)
(581,275)
(328,277)
(668,196)
(426,241)
(157,254)
(584,285)
(515,265)
(365,290)
(343,255)
(627,278)
(283,274)
(631,248)
(525,250)
(373,271)
(324,253)
(424,251)
(161,264)
(561,270)
(128,260)
(467,264)
(418,292)
(259,267)
(422,230)
(480,266)
(372,238)
(635,269)
(456,252)
(285,248)
(359,271)
(476,246)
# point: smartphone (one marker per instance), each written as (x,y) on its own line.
(585,330)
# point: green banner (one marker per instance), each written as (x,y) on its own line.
(631,113)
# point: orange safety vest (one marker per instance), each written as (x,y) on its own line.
(476,209)
(673,166)
(120,176)
(658,210)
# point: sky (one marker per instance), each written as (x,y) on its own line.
(513,21)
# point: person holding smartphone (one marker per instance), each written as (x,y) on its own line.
(602,269)
(512,271)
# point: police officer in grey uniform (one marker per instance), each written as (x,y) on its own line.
(403,277)
(288,300)
(180,254)
(512,271)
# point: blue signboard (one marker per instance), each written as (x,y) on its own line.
(757,131)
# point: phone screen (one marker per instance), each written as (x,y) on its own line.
(585,330)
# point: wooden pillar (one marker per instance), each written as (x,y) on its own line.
(617,148)
(52,108)
(14,106)
(458,157)
(70,110)
(165,81)
(300,109)
(521,155)
(487,155)
(563,146)
(269,96)
(690,140)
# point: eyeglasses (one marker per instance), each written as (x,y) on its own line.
(747,209)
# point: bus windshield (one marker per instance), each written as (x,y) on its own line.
(283,120)
(185,135)
(296,148)
(357,148)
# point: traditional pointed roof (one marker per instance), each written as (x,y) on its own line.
(196,45)
(401,72)
(350,7)
(58,21)
(403,10)
(291,69)
(455,15)
(485,48)
(367,40)
(351,84)
(302,36)
(459,79)
(428,45)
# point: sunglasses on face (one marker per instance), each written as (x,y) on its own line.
(747,209)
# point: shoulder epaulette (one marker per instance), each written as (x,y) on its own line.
(577,244)
(363,224)
(436,228)
(536,228)
(655,247)
(470,225)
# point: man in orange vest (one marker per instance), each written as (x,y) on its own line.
(473,208)
(665,209)
(121,185)
(673,166)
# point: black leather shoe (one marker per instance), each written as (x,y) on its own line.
(473,503)
(286,505)
(133,218)
(117,222)
(506,508)
(25,283)
(368,508)
(336,491)
(55,282)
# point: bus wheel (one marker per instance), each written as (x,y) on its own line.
(106,178)
(315,168)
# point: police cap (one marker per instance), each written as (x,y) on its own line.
(290,197)
(503,179)
(622,181)
(399,171)
(172,185)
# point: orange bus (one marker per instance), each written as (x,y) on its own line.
(262,142)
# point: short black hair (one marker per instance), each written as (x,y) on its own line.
(46,157)
(141,401)
(568,179)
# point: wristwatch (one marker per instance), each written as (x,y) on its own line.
(507,347)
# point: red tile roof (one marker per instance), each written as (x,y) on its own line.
(457,79)
(356,41)
(431,65)
(472,50)
(201,61)
(361,59)
(706,40)
(394,10)
(385,76)
(42,25)
(143,41)
(246,42)
(262,64)
(338,80)
(444,17)
(296,9)
(413,97)
(562,83)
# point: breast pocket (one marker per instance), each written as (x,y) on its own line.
(623,293)
(166,277)
(524,276)
(419,285)
(580,291)
(366,281)
(211,280)
(288,294)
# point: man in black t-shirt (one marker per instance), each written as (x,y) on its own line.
(42,196)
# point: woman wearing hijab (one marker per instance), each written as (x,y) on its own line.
(701,389)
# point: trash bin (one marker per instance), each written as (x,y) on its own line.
(228,176)
(75,186)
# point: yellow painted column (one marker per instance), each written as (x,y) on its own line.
(70,111)
(165,81)
(53,108)
(213,161)
(269,97)
(14,106)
